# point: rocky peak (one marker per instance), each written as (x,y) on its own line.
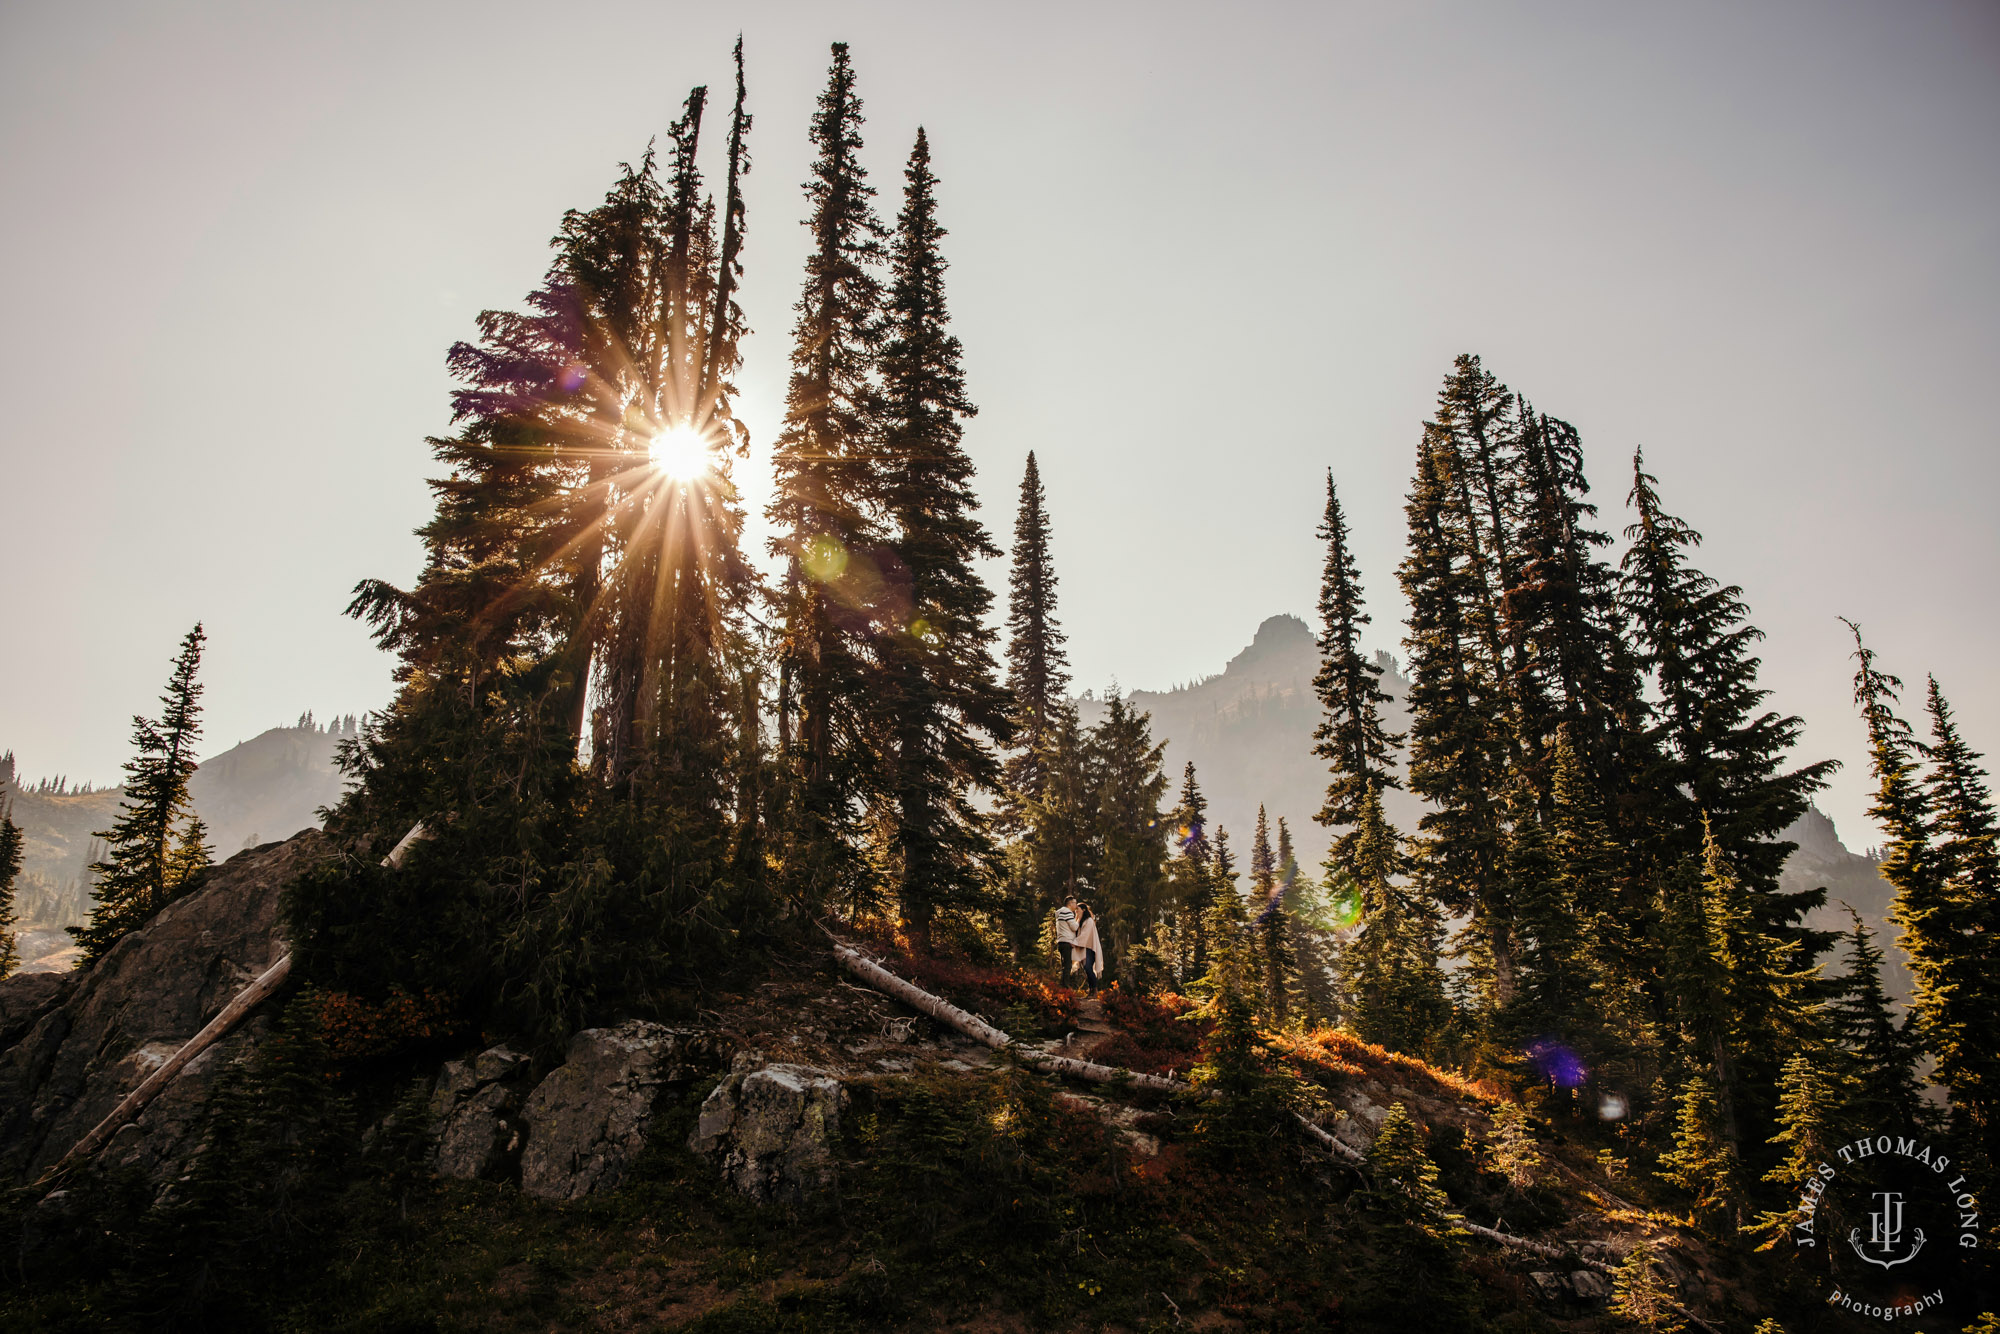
(1283,650)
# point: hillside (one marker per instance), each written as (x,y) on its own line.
(1249,729)
(790,1151)
(257,791)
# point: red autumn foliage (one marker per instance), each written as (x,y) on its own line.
(987,990)
(356,1029)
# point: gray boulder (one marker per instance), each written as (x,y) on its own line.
(72,1048)
(472,1115)
(588,1119)
(774,1128)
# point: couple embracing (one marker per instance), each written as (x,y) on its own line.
(1077,942)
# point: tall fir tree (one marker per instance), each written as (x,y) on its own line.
(1227,922)
(1745,994)
(1288,859)
(940,700)
(1458,734)
(155,848)
(1037,664)
(1131,879)
(1564,627)
(825,511)
(1062,824)
(1193,877)
(1723,755)
(1350,736)
(1939,921)
(1968,869)
(1313,942)
(10,870)
(584,550)
(1276,950)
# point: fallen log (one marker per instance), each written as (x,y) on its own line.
(212,1032)
(216,1029)
(982,1032)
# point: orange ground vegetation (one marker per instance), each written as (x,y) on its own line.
(355,1029)
(1327,1053)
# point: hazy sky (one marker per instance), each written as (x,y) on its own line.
(1200,253)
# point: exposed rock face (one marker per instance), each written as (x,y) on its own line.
(473,1115)
(73,1045)
(774,1128)
(588,1119)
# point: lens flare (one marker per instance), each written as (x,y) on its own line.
(679,452)
(1344,905)
(1557,1063)
(825,559)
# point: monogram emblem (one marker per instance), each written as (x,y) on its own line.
(1885,1232)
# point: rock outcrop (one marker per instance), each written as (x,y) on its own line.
(73,1045)
(589,1118)
(773,1127)
(473,1115)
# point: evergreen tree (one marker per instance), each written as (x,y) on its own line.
(10,870)
(1458,735)
(1393,991)
(1350,735)
(1263,861)
(1510,1147)
(1234,1126)
(1192,875)
(1288,859)
(1312,942)
(585,548)
(1744,995)
(1936,852)
(1037,666)
(155,848)
(1276,953)
(1702,1161)
(1723,767)
(1226,925)
(1062,824)
(1420,1277)
(1561,865)
(1131,835)
(940,701)
(828,489)
(1881,1054)
(1967,866)
(1810,1127)
(1563,626)
(1641,1294)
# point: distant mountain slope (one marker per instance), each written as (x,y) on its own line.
(261,790)
(1249,732)
(271,786)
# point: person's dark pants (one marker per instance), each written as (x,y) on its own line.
(1063,945)
(1090,971)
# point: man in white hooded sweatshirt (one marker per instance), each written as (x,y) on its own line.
(1066,930)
